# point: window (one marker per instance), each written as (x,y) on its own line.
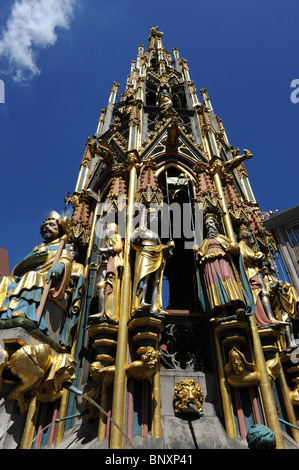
(293,234)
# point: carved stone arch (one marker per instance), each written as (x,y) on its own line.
(112,182)
(177,102)
(151,90)
(179,96)
(186,161)
(152,59)
(182,168)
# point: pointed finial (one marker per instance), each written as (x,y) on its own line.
(155,32)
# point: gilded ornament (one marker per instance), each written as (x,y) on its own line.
(187,392)
(294,394)
(98,372)
(230,165)
(146,367)
(133,159)
(239,372)
(273,368)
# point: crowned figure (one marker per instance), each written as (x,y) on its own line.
(20,294)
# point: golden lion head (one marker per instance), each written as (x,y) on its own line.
(185,392)
(62,371)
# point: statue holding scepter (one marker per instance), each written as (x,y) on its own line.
(46,269)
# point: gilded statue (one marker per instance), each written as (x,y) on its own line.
(165,99)
(294,394)
(20,294)
(240,372)
(252,262)
(98,372)
(77,268)
(109,274)
(284,301)
(273,368)
(3,361)
(73,297)
(186,392)
(220,277)
(150,261)
(41,372)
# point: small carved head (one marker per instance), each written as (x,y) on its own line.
(151,358)
(63,370)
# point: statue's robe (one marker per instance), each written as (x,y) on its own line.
(112,278)
(20,295)
(148,260)
(220,278)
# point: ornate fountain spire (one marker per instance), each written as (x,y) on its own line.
(144,304)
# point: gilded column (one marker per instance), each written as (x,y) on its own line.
(216,167)
(225,392)
(120,380)
(288,404)
(65,397)
(29,430)
(215,171)
(265,385)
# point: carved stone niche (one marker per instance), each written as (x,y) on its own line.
(183,345)
(231,330)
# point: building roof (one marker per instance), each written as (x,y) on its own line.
(285,217)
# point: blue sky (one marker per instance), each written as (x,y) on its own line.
(59,58)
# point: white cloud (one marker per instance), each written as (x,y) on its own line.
(31,27)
